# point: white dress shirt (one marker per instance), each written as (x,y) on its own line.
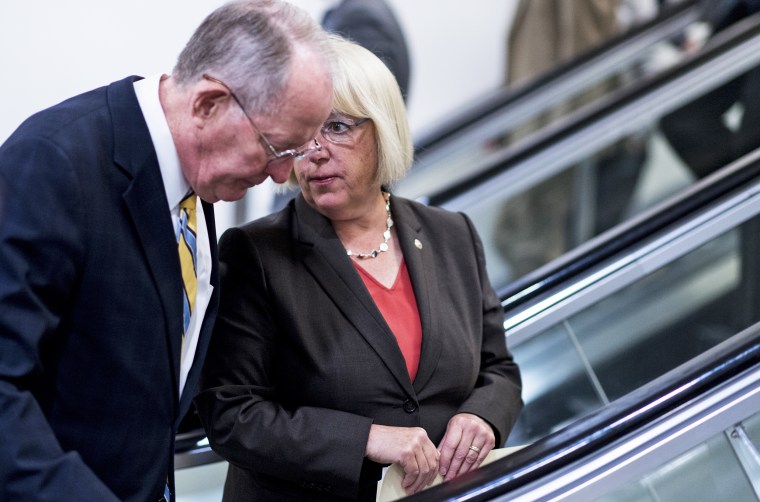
(176,187)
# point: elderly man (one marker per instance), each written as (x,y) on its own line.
(108,274)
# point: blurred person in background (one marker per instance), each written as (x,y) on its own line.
(539,225)
(724,124)
(373,24)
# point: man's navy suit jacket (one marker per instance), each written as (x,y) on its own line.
(90,306)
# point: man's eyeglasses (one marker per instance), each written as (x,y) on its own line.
(275,155)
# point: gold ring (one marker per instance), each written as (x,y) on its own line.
(475,448)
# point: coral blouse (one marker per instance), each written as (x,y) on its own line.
(399,308)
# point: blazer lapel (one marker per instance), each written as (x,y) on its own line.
(145,198)
(325,258)
(418,254)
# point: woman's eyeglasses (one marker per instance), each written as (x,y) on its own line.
(340,130)
(337,130)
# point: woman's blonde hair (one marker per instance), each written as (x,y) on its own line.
(363,86)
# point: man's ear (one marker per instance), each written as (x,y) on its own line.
(208,102)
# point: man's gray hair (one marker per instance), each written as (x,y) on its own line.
(249,45)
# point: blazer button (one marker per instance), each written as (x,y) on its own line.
(410,406)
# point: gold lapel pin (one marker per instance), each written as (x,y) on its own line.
(417,244)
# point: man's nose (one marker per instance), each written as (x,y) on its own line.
(280,171)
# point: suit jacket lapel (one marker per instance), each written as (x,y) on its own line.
(418,254)
(325,258)
(145,198)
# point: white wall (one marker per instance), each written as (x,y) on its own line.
(51,50)
(458,52)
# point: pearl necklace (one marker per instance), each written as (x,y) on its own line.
(386,235)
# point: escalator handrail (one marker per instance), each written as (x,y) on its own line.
(495,102)
(619,419)
(585,118)
(622,238)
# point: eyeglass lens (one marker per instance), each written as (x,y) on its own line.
(337,130)
(340,129)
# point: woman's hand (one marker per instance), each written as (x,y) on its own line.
(467,441)
(409,447)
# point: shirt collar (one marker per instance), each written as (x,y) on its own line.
(175,184)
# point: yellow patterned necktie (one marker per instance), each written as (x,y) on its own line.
(186,242)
